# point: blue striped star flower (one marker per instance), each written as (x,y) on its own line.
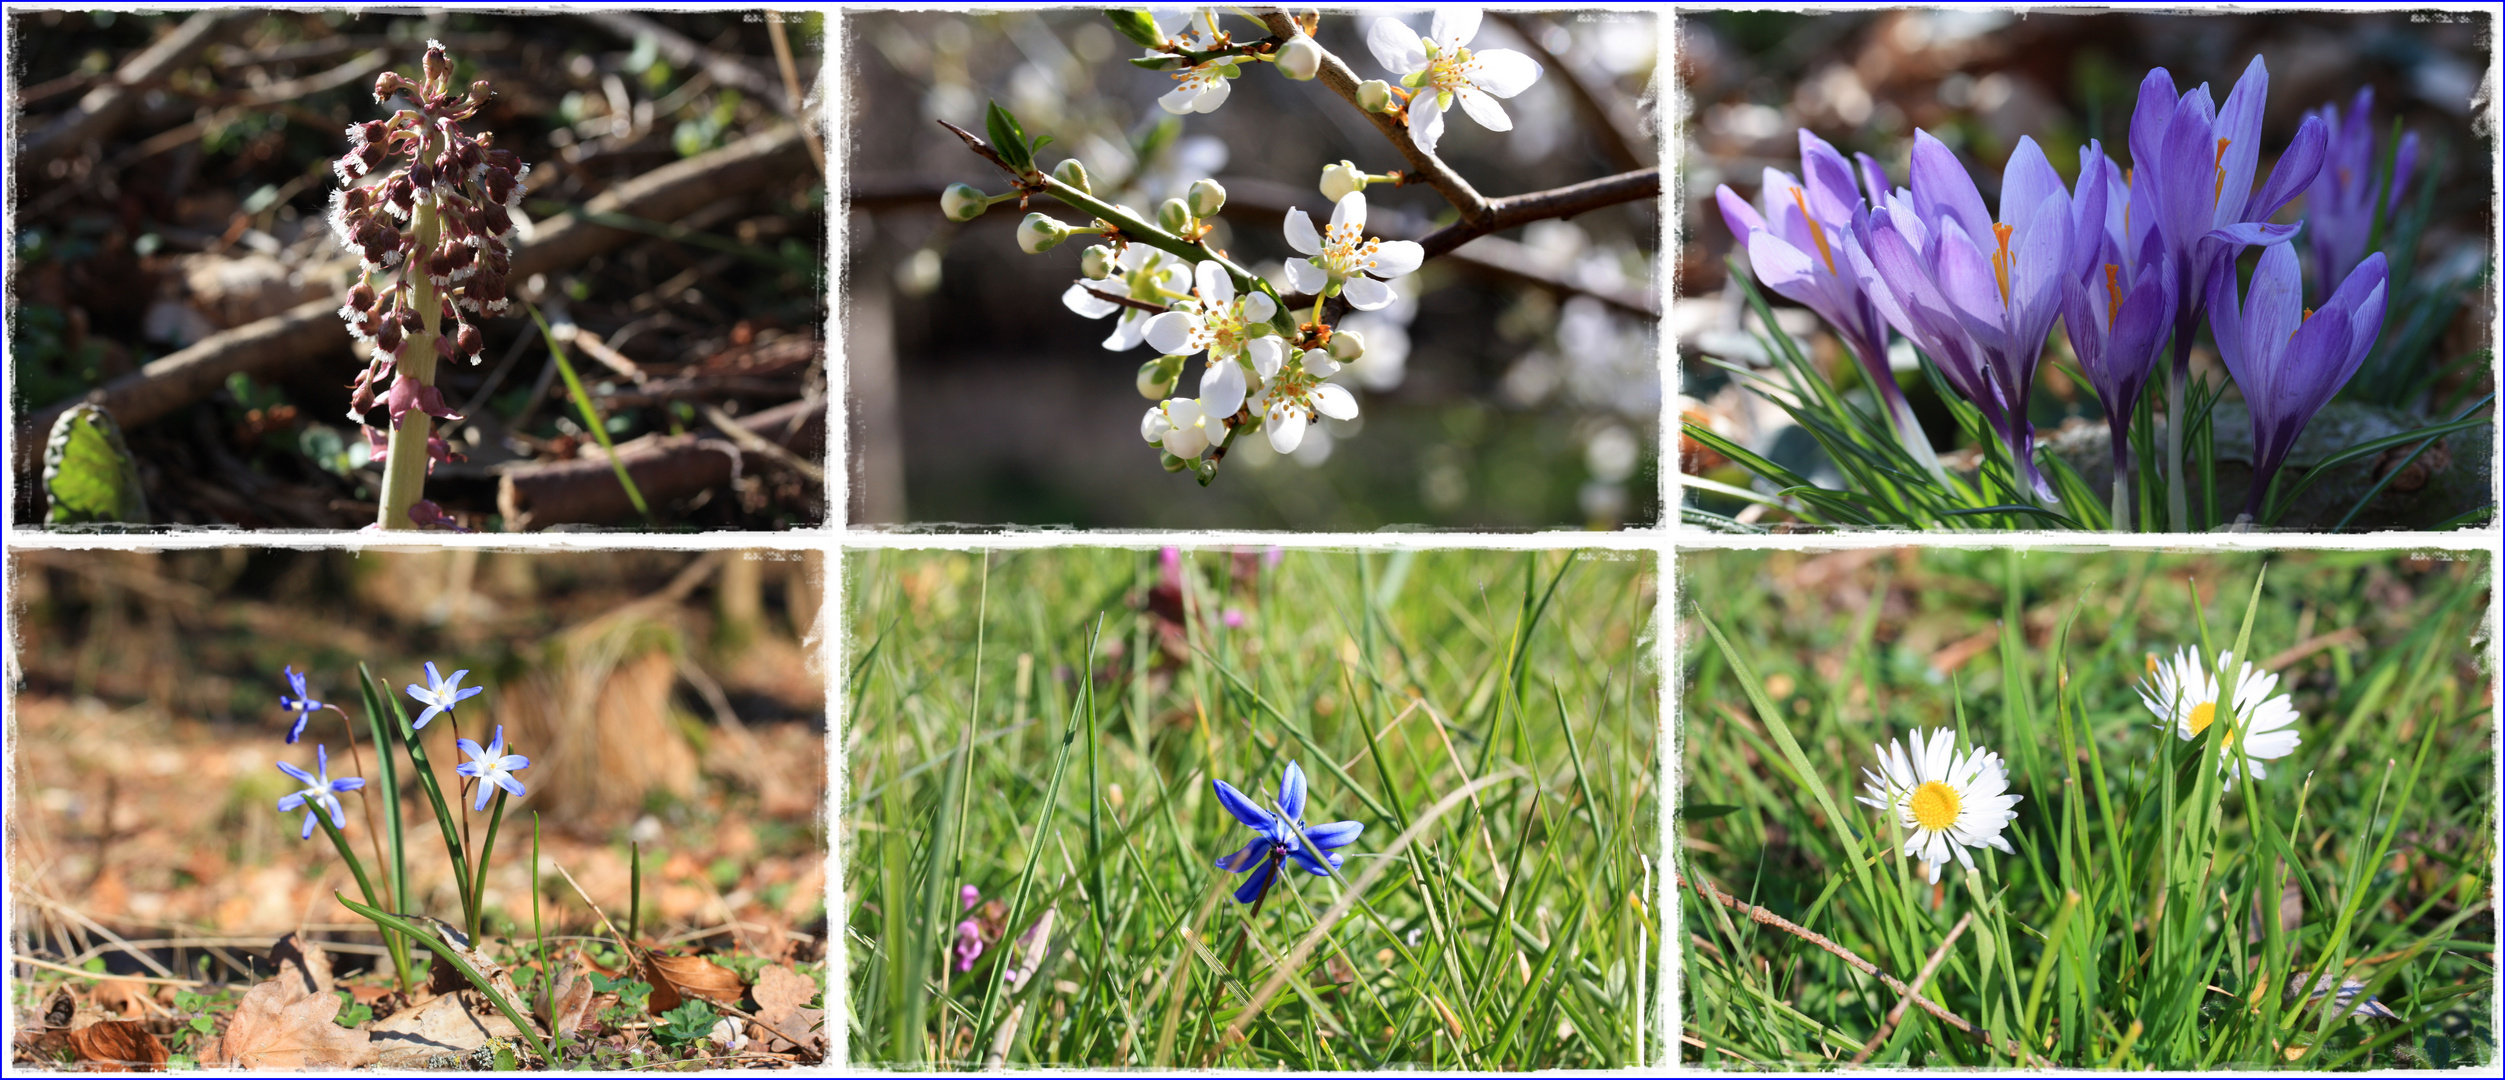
(320,792)
(302,704)
(439,694)
(491,766)
(1277,841)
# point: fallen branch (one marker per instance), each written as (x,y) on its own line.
(683,52)
(106,107)
(749,440)
(586,490)
(313,329)
(1764,917)
(1897,1014)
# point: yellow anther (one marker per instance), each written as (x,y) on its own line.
(2219,191)
(1815,233)
(2000,260)
(2113,293)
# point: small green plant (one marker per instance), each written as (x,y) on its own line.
(689,1023)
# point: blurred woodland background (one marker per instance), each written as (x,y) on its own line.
(1520,389)
(1979,80)
(170,261)
(664,698)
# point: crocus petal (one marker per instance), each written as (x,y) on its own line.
(1244,809)
(1503,72)
(2150,117)
(1366,294)
(2294,171)
(1454,26)
(1737,215)
(1300,233)
(1485,109)
(2239,122)
(1334,401)
(1395,46)
(1173,333)
(2028,180)
(1942,187)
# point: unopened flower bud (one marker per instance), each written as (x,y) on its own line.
(1174,216)
(470,342)
(1039,233)
(1338,180)
(963,202)
(1096,263)
(1300,59)
(1206,197)
(387,84)
(1347,345)
(1374,96)
(1156,380)
(1074,173)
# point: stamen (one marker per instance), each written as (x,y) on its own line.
(2113,293)
(2000,260)
(2219,191)
(1815,233)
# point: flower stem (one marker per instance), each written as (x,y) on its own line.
(349,856)
(404,467)
(478,870)
(392,943)
(2178,513)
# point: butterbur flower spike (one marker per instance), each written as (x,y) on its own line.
(320,794)
(439,694)
(491,766)
(1277,842)
(2289,361)
(302,704)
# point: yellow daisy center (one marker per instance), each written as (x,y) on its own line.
(2203,715)
(1935,805)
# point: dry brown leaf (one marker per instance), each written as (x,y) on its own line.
(117,1046)
(453,1024)
(565,1010)
(783,1008)
(278,1026)
(128,997)
(302,962)
(677,978)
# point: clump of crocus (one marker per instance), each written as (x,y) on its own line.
(2342,207)
(2289,360)
(426,207)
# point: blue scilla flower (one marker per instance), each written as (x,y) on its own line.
(491,766)
(302,704)
(439,694)
(1278,842)
(320,791)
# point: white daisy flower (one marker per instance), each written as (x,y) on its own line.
(1946,803)
(2183,692)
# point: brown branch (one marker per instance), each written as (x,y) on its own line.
(1336,75)
(1929,966)
(749,440)
(1143,305)
(1764,917)
(1517,210)
(106,107)
(586,489)
(1616,142)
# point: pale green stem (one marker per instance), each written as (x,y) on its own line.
(404,469)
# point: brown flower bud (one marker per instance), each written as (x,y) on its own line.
(498,183)
(387,336)
(470,342)
(362,297)
(387,84)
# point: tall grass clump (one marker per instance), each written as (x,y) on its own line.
(1034,827)
(2299,876)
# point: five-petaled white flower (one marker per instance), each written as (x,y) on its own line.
(1183,427)
(1342,256)
(1228,327)
(1441,70)
(440,694)
(2183,692)
(491,767)
(1140,273)
(1948,803)
(1199,87)
(1292,394)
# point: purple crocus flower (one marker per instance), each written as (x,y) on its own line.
(302,704)
(1798,237)
(2192,184)
(2340,207)
(321,793)
(1277,841)
(1979,296)
(491,767)
(2116,313)
(2289,361)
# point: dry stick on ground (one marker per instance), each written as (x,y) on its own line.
(1939,1012)
(106,107)
(749,440)
(313,329)
(1929,966)
(684,52)
(668,467)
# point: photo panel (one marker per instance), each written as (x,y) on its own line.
(444,269)
(1372,268)
(429,810)
(2240,260)
(1243,808)
(2177,810)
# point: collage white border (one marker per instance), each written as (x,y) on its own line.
(835,540)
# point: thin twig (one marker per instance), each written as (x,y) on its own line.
(757,444)
(1125,301)
(1768,918)
(99,976)
(1339,78)
(1928,966)
(791,86)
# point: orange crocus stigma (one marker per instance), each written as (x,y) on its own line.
(2000,260)
(2113,293)
(2300,323)
(1815,233)
(2219,191)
